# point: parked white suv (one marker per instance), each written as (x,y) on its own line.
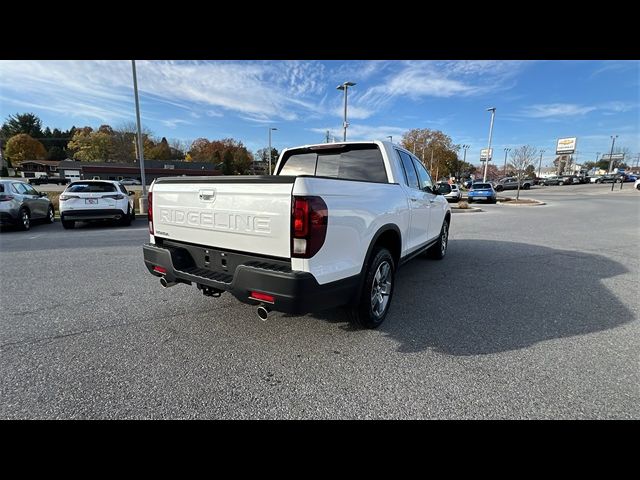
(89,200)
(329,229)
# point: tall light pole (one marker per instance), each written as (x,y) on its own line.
(143,199)
(613,142)
(506,151)
(270,130)
(345,86)
(540,163)
(486,164)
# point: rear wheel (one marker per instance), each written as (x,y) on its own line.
(499,188)
(24,217)
(377,290)
(439,249)
(126,219)
(526,186)
(51,215)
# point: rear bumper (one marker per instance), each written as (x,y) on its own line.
(93,214)
(7,218)
(293,291)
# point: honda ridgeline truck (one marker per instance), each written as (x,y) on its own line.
(329,229)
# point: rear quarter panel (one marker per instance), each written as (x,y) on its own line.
(357,210)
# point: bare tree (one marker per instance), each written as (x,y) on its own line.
(521,158)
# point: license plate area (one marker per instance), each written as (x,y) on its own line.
(91,201)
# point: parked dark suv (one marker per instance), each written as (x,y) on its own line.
(20,203)
(511,183)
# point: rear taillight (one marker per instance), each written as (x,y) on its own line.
(263,297)
(150,211)
(159,269)
(119,196)
(64,197)
(6,198)
(309,217)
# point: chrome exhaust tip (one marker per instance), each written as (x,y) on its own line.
(165,284)
(263,313)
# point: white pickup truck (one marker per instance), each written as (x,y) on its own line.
(329,229)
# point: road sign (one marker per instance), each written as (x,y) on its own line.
(615,156)
(483,154)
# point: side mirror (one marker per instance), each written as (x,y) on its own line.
(42,194)
(443,189)
(131,193)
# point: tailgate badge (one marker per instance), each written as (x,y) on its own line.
(207,195)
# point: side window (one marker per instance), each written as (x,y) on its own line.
(30,190)
(409,172)
(18,187)
(122,189)
(423,176)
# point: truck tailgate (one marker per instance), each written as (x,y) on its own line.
(241,213)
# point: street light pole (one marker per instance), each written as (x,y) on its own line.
(143,200)
(270,130)
(493,114)
(540,163)
(345,124)
(506,150)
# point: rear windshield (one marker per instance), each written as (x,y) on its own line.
(91,187)
(480,186)
(351,162)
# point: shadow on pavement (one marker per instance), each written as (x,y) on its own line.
(491,296)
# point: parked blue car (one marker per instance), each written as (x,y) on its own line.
(482,191)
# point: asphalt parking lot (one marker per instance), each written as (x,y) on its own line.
(534,313)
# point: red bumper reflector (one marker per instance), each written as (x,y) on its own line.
(160,269)
(263,297)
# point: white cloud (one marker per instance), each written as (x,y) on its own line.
(556,110)
(364,132)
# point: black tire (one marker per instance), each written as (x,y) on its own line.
(24,219)
(439,249)
(51,215)
(499,188)
(526,186)
(126,219)
(560,183)
(370,312)
(67,224)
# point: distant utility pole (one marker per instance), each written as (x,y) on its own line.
(328,137)
(613,142)
(540,163)
(431,163)
(506,151)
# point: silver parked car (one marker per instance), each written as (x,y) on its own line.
(20,203)
(453,193)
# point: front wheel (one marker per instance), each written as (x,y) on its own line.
(377,291)
(560,183)
(526,186)
(25,219)
(499,188)
(439,249)
(126,219)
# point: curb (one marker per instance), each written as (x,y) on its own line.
(138,215)
(466,210)
(537,203)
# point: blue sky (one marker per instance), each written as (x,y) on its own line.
(536,101)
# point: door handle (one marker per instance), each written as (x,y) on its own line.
(413,199)
(431,201)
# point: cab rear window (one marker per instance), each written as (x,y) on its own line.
(347,162)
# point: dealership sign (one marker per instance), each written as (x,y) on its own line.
(483,154)
(615,156)
(566,146)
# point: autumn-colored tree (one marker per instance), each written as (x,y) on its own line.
(23,147)
(91,146)
(188,158)
(161,151)
(436,149)
(227,163)
(492,172)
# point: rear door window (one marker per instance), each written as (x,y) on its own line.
(19,187)
(411,176)
(424,179)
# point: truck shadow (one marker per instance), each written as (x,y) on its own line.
(492,296)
